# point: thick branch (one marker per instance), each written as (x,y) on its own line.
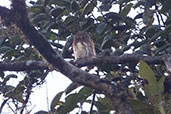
(38,65)
(127,58)
(23,66)
(4,13)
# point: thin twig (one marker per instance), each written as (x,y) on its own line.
(26,100)
(94,95)
(3,104)
(92,102)
(158,18)
(11,108)
(161,18)
(47,98)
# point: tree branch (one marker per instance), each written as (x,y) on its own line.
(5,13)
(127,58)
(23,66)
(39,65)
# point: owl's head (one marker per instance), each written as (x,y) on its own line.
(81,35)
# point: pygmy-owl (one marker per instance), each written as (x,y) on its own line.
(83,46)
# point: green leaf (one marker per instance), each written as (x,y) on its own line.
(52,36)
(63,34)
(138,4)
(5,49)
(40,2)
(39,17)
(36,9)
(146,72)
(168,28)
(153,89)
(143,108)
(48,26)
(16,40)
(100,28)
(56,12)
(106,6)
(88,23)
(70,103)
(56,101)
(12,53)
(65,3)
(104,105)
(158,34)
(41,112)
(100,18)
(72,99)
(160,86)
(107,42)
(2,40)
(46,2)
(83,3)
(114,16)
(123,1)
(118,52)
(10,92)
(75,6)
(88,9)
(85,91)
(152,30)
(71,87)
(8,77)
(162,48)
(145,49)
(168,64)
(70,20)
(2,74)
(6,88)
(159,43)
(166,6)
(126,9)
(71,23)
(35,74)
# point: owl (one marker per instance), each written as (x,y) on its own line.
(83,46)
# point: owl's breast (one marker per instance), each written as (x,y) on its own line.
(81,50)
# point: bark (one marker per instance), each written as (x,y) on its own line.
(96,60)
(121,105)
(24,66)
(126,58)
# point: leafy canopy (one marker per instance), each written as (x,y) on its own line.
(117,27)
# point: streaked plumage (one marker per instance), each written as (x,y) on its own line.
(83,45)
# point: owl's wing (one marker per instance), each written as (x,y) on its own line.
(92,48)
